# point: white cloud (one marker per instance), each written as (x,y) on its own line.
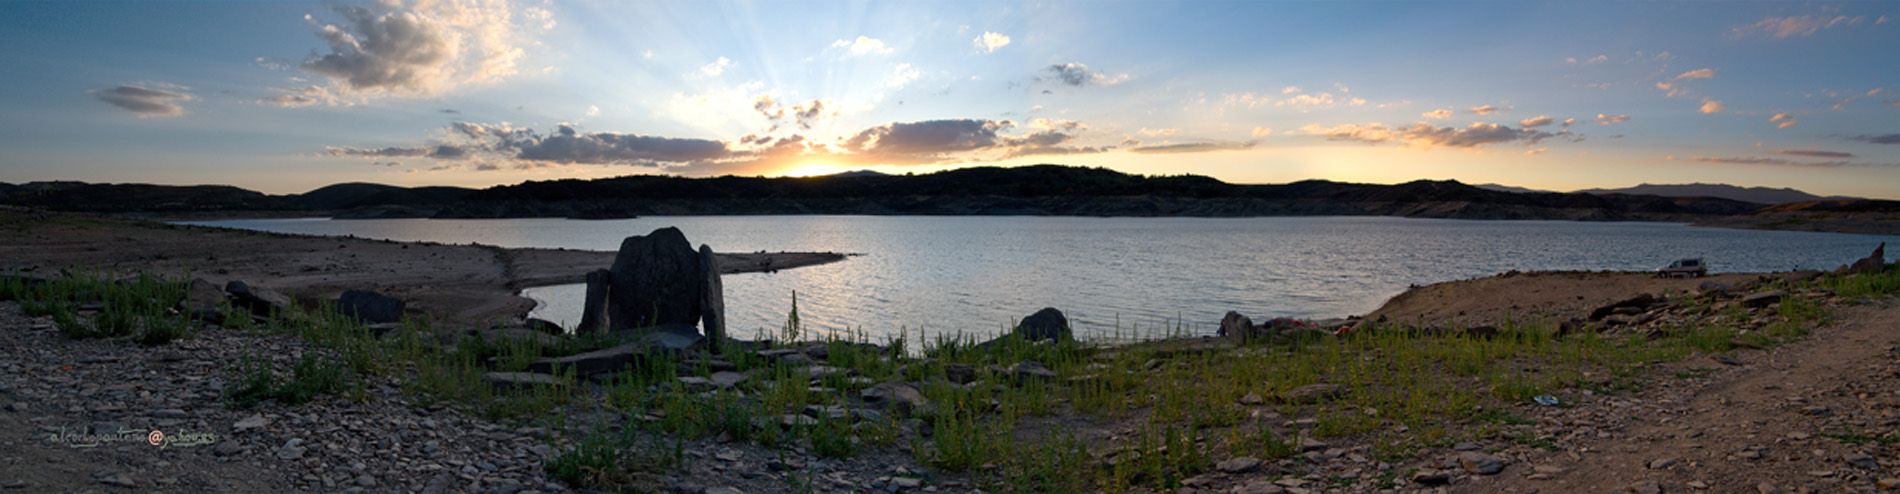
(1484,109)
(1697,74)
(422,49)
(1537,121)
(1259,132)
(1799,26)
(991,41)
(593,111)
(902,75)
(1162,132)
(716,67)
(1783,120)
(862,46)
(147,100)
(1604,119)
(1438,114)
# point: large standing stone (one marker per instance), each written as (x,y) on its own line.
(1045,324)
(370,307)
(712,299)
(656,280)
(594,313)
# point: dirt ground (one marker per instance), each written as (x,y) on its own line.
(464,285)
(1531,297)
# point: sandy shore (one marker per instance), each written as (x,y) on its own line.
(463,285)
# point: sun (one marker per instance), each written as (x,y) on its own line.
(812,169)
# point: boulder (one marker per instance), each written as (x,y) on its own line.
(1236,325)
(901,398)
(258,300)
(204,301)
(518,335)
(712,298)
(1873,262)
(1763,299)
(1030,370)
(960,373)
(656,280)
(369,307)
(1637,302)
(675,338)
(1046,324)
(1480,463)
(594,312)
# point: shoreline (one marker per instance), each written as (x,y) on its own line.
(472,286)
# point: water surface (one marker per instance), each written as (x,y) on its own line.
(1112,276)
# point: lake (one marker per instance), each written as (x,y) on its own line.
(1111,276)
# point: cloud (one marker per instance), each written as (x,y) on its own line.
(902,75)
(1783,120)
(1711,106)
(1751,160)
(1076,74)
(1259,132)
(805,115)
(1484,109)
(1569,122)
(862,46)
(1163,132)
(1798,26)
(1438,114)
(421,48)
(1429,136)
(1537,121)
(716,67)
(1600,58)
(991,41)
(1603,119)
(1814,153)
(1696,74)
(166,101)
(1877,138)
(1193,147)
(440,152)
(1297,99)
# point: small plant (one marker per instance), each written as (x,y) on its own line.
(310,378)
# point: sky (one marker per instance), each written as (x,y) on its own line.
(284,97)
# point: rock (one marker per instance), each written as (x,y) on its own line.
(1714,287)
(118,480)
(1431,477)
(594,310)
(1873,262)
(1639,301)
(590,363)
(1047,324)
(960,373)
(727,379)
(906,482)
(204,295)
(519,380)
(543,326)
(1767,488)
(255,421)
(674,338)
(1313,393)
(1480,463)
(1863,460)
(1029,370)
(1253,399)
(292,450)
(1891,484)
(1242,464)
(1235,325)
(1662,463)
(712,298)
(369,307)
(657,280)
(1310,444)
(722,490)
(1644,487)
(1763,299)
(900,398)
(258,300)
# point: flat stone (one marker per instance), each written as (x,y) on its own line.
(1480,463)
(600,361)
(255,421)
(519,380)
(1313,393)
(1242,464)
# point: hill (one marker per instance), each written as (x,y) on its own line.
(1760,195)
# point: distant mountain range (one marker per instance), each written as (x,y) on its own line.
(1758,195)
(1029,190)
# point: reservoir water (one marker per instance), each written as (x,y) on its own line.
(1112,276)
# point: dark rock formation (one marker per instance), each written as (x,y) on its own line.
(1873,262)
(1637,302)
(594,312)
(712,299)
(656,280)
(1236,325)
(370,307)
(1046,324)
